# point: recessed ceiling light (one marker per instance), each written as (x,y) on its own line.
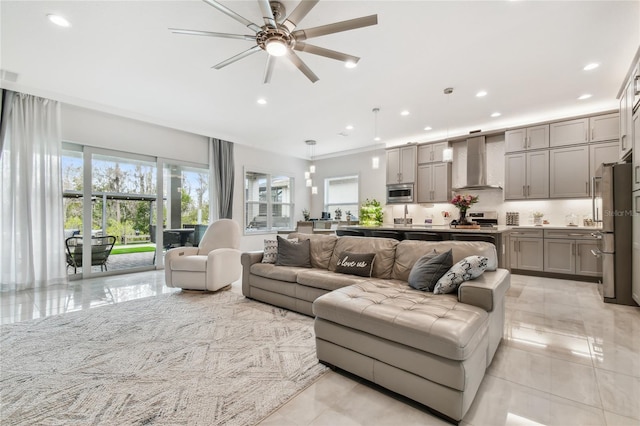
(262,101)
(349,127)
(585,96)
(58,20)
(377,139)
(481,93)
(350,64)
(496,114)
(591,66)
(405,112)
(427,128)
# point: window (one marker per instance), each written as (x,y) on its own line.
(268,202)
(342,193)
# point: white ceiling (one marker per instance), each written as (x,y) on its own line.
(119,57)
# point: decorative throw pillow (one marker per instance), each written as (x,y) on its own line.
(467,269)
(355,263)
(271,250)
(293,253)
(429,269)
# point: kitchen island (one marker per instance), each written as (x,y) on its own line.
(499,232)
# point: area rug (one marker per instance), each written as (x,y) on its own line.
(176,359)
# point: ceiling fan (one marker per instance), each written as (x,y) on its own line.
(279,36)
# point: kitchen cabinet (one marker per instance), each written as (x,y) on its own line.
(527,138)
(401,164)
(583,130)
(431,153)
(526,175)
(569,252)
(434,183)
(626,115)
(602,153)
(526,249)
(569,172)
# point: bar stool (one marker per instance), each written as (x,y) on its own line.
(422,236)
(349,232)
(388,234)
(471,237)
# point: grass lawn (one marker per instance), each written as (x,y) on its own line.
(133,248)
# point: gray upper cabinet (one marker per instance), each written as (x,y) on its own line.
(535,137)
(626,114)
(526,175)
(569,132)
(604,127)
(582,130)
(401,164)
(569,172)
(434,183)
(431,153)
(636,149)
(602,153)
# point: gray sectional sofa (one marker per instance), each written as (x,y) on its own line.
(431,348)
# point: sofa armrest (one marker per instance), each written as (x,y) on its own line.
(487,290)
(247,259)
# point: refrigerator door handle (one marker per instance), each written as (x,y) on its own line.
(594,211)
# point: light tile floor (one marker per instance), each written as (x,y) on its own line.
(567,358)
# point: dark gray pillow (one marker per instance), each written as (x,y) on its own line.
(429,269)
(355,263)
(293,253)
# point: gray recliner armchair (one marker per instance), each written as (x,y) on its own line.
(214,264)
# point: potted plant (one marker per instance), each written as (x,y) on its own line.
(348,213)
(463,202)
(305,215)
(338,213)
(537,218)
(371,213)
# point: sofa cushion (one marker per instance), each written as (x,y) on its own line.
(467,269)
(384,248)
(282,273)
(194,263)
(436,324)
(270,253)
(429,269)
(326,280)
(293,253)
(409,251)
(360,264)
(321,248)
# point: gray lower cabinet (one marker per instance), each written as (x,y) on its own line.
(526,250)
(569,252)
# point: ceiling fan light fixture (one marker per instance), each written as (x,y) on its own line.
(276,47)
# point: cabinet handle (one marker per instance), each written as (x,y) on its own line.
(624,145)
(524,190)
(636,174)
(573,249)
(592,133)
(528,191)
(586,187)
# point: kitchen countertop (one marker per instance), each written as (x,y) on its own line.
(432,228)
(559,227)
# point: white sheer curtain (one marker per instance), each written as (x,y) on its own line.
(31,222)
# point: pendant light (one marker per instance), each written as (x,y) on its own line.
(447,153)
(312,168)
(375,160)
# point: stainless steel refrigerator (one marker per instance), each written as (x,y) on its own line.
(612,207)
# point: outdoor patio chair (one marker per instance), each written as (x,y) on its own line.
(100,251)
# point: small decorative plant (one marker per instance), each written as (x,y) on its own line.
(371,213)
(463,202)
(338,213)
(305,214)
(348,213)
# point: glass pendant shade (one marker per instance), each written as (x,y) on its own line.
(314,190)
(312,168)
(307,175)
(375,162)
(309,183)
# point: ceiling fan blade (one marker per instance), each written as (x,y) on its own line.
(299,13)
(336,27)
(267,13)
(302,66)
(210,34)
(239,56)
(234,15)
(268,69)
(327,53)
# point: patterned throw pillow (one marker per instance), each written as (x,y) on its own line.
(271,250)
(360,264)
(467,269)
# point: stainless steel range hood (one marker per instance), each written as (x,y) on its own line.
(476,165)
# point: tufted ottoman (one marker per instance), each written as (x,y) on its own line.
(430,348)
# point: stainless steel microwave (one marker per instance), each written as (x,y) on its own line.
(401,193)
